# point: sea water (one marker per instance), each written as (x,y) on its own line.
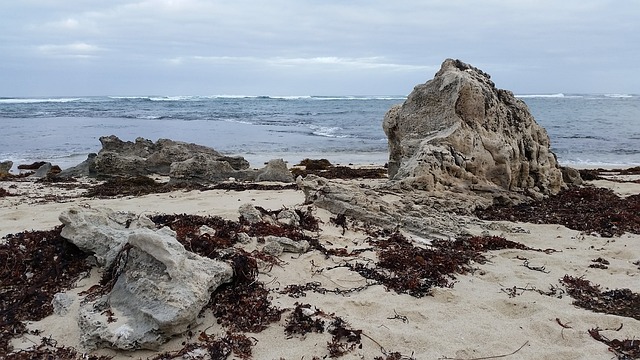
(585,129)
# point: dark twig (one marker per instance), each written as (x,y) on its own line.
(535,268)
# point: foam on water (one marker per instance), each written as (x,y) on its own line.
(585,129)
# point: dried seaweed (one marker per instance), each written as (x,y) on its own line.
(187,228)
(621,302)
(623,349)
(344,339)
(49,349)
(326,170)
(243,307)
(307,220)
(216,348)
(297,291)
(4,193)
(589,209)
(405,268)
(605,174)
(315,164)
(238,186)
(301,323)
(35,266)
(599,263)
(136,186)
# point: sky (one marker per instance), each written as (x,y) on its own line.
(313,47)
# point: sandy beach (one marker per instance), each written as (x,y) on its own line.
(512,305)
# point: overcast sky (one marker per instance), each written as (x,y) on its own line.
(313,47)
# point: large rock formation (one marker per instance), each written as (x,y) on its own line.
(459,132)
(144,157)
(181,161)
(160,287)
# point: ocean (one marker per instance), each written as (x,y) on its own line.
(585,129)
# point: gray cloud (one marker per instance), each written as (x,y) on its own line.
(313,47)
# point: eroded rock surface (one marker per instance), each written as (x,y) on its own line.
(425,214)
(160,287)
(458,131)
(181,161)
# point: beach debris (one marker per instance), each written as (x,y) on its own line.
(406,268)
(325,169)
(599,263)
(213,348)
(300,321)
(142,185)
(458,131)
(611,174)
(4,192)
(587,209)
(37,265)
(626,349)
(621,302)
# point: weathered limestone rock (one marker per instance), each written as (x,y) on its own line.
(61,303)
(85,168)
(201,168)
(181,161)
(289,245)
(99,231)
(275,170)
(42,170)
(426,214)
(160,288)
(5,167)
(459,132)
(288,217)
(250,213)
(144,157)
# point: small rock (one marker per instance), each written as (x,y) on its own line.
(289,245)
(250,214)
(61,303)
(273,248)
(288,217)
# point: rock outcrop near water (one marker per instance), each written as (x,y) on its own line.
(144,157)
(459,132)
(181,161)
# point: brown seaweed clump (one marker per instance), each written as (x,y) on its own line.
(327,170)
(133,186)
(621,302)
(4,192)
(35,266)
(588,209)
(605,174)
(413,270)
(144,185)
(627,349)
(217,348)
